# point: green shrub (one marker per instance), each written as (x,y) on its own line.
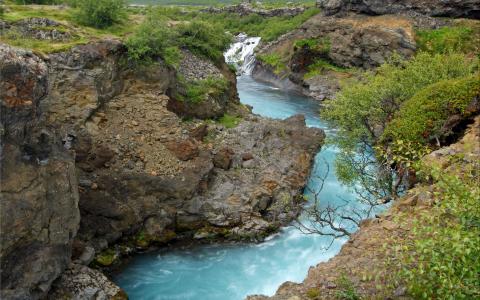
(322,45)
(203,38)
(362,109)
(421,118)
(443,262)
(100,13)
(445,39)
(153,38)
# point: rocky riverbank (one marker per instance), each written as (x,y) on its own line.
(364,265)
(326,50)
(98,161)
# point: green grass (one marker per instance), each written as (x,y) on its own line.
(320,66)
(449,39)
(197,91)
(275,61)
(229,121)
(80,34)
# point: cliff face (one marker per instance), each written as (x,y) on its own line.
(39,192)
(434,8)
(315,57)
(92,145)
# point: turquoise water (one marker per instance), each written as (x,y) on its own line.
(231,272)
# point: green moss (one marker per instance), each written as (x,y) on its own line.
(313,293)
(320,45)
(275,61)
(421,118)
(144,240)
(229,121)
(106,258)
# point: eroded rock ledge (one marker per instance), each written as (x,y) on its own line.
(90,145)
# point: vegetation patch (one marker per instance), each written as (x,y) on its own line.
(100,13)
(199,90)
(421,119)
(449,39)
(229,121)
(443,261)
(275,61)
(320,66)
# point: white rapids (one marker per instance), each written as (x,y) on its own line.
(241,53)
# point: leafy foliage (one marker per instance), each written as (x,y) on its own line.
(101,13)
(363,108)
(421,118)
(157,36)
(321,65)
(203,38)
(153,38)
(443,262)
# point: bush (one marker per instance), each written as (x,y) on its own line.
(363,108)
(443,262)
(100,13)
(41,2)
(422,117)
(153,38)
(204,39)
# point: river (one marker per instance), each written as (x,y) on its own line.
(233,271)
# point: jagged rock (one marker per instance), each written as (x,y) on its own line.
(81,282)
(183,150)
(436,8)
(223,158)
(354,41)
(39,194)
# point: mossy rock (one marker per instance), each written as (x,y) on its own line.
(106,258)
(144,240)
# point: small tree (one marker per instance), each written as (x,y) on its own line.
(100,13)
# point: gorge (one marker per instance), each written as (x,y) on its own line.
(284,151)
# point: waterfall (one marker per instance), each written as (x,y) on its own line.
(241,53)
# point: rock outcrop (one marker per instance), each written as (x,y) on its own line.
(97,162)
(434,8)
(356,41)
(39,192)
(245,9)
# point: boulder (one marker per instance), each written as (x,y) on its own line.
(183,149)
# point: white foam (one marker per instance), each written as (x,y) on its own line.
(241,53)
